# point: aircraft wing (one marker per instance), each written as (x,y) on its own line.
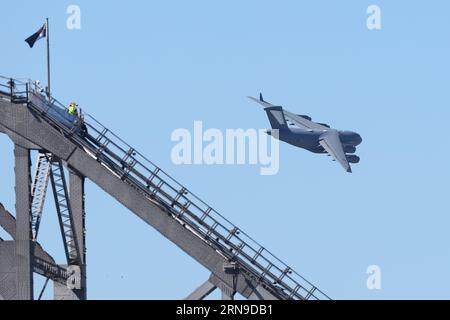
(302,122)
(332,144)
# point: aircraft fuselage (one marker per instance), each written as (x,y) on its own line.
(309,139)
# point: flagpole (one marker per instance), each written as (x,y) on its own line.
(48,59)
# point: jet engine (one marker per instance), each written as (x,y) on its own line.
(349,149)
(352,158)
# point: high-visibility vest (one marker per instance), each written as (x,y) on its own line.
(72,110)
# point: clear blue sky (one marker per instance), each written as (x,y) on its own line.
(145,68)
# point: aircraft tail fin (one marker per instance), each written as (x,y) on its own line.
(274,113)
(276,117)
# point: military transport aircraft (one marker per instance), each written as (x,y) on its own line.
(310,135)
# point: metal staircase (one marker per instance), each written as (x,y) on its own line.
(253,261)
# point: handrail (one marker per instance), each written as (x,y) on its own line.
(185,206)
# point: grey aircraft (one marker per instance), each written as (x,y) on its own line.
(310,135)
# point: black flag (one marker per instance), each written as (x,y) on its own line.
(41,33)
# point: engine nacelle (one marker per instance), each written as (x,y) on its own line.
(349,149)
(351,158)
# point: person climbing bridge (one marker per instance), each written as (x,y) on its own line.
(73,109)
(83,127)
(79,118)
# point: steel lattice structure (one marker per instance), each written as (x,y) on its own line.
(238,264)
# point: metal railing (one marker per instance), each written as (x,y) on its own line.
(15,90)
(184,206)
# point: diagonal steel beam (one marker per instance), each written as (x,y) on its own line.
(202,291)
(7,221)
(44,264)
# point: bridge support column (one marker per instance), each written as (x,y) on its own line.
(23,243)
(231,271)
(76,198)
(8,270)
(227,292)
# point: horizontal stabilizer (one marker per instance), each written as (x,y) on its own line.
(261,101)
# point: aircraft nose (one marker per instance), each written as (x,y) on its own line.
(358,139)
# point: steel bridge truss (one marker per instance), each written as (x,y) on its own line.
(49,168)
